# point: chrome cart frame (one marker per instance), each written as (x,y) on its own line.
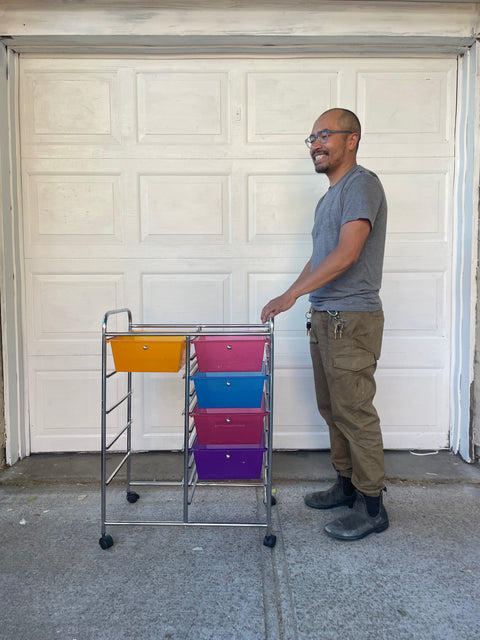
(190,480)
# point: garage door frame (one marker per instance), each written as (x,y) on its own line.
(466,198)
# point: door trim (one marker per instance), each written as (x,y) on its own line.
(14,378)
(466,255)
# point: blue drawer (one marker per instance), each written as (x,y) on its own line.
(222,389)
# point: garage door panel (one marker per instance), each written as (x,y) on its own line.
(414,438)
(185,208)
(414,302)
(187,298)
(73,208)
(162,424)
(401,402)
(262,287)
(72,107)
(414,352)
(402,256)
(66,404)
(183,108)
(271,201)
(413,107)
(418,205)
(277,109)
(411,397)
(291,342)
(297,425)
(68,309)
(419,196)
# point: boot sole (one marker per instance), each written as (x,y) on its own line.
(378,529)
(344,503)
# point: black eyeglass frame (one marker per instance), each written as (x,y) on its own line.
(325,133)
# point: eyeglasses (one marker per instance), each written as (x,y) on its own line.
(322,136)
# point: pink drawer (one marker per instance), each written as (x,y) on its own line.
(229,353)
(229,426)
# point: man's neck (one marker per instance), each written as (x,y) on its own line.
(340,172)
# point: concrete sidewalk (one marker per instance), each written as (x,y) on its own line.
(419,580)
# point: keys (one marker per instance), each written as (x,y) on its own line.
(308,316)
(338,324)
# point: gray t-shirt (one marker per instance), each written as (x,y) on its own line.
(358,195)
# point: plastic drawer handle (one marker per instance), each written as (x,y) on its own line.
(229,384)
(228,420)
(229,346)
(227,455)
(145,347)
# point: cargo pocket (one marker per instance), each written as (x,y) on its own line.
(355,362)
(354,382)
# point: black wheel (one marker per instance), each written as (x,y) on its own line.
(132,496)
(270,541)
(106,542)
(274,501)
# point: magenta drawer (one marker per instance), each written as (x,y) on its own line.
(229,426)
(230,353)
(235,462)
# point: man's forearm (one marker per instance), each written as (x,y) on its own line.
(328,270)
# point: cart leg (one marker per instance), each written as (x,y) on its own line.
(105,541)
(132,496)
(270,539)
(186,431)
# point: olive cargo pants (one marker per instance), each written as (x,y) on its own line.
(344,350)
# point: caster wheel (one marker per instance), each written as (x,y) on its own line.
(132,496)
(274,501)
(106,542)
(270,541)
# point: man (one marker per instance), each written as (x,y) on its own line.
(343,278)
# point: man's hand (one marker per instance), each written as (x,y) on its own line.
(277,305)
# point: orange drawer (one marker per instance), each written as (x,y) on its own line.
(148,353)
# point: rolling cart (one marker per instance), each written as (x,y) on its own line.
(228,409)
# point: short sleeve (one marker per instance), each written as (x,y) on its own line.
(362,198)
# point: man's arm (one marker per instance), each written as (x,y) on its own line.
(350,244)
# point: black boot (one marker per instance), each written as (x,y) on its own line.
(367,516)
(341,493)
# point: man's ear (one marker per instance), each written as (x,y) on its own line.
(353,141)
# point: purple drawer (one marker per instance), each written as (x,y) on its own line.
(234,462)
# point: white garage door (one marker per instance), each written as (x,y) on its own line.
(183,190)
